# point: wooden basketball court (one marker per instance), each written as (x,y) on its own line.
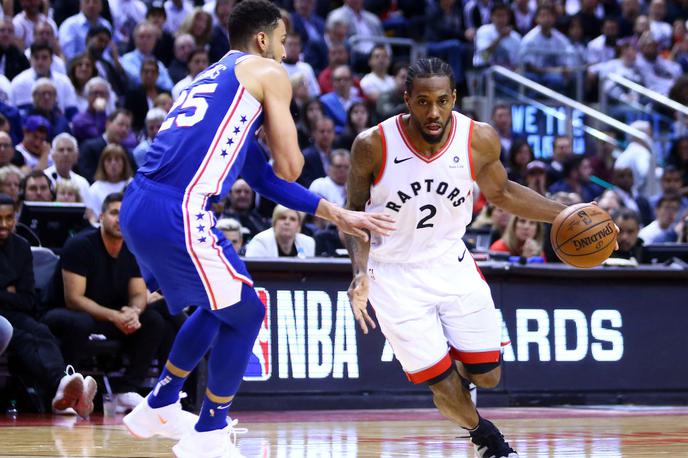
(534,432)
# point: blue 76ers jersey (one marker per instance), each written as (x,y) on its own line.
(201,146)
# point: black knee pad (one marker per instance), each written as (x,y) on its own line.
(482,368)
(442,376)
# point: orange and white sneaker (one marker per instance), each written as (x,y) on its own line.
(69,390)
(218,443)
(170,421)
(84,405)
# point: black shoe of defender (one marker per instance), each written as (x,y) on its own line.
(489,442)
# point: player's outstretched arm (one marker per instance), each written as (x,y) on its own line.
(268,82)
(366,160)
(497,188)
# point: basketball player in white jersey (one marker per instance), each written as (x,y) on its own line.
(430,299)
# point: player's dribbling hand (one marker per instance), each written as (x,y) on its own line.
(358,297)
(358,223)
(616,228)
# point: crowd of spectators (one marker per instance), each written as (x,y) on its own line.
(85,86)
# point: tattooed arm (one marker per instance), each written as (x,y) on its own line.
(366,162)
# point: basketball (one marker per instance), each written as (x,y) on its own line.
(583,235)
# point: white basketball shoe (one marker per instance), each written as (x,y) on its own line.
(169,421)
(219,443)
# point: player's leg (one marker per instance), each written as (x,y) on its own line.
(228,360)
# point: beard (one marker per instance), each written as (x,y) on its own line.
(430,138)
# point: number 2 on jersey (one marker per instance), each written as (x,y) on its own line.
(189,100)
(432,211)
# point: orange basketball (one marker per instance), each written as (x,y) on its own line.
(583,235)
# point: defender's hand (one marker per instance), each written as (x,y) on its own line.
(359,224)
(358,297)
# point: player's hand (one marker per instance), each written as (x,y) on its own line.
(358,297)
(359,224)
(616,228)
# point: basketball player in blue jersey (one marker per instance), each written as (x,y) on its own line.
(430,299)
(206,141)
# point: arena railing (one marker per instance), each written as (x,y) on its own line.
(569,103)
(416,49)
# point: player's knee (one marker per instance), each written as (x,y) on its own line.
(489,378)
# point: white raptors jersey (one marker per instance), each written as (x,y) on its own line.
(430,198)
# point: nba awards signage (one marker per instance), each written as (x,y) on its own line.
(571,331)
(540,127)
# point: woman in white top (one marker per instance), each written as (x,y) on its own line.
(112,175)
(283,238)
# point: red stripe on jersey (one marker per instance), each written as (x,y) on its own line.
(431,372)
(384,155)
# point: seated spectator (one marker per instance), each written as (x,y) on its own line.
(391,103)
(105,294)
(293,64)
(311,29)
(661,30)
(32,343)
(7,152)
(26,21)
(125,15)
(239,207)
(358,22)
(520,156)
(36,187)
(378,80)
(523,237)
(41,59)
(219,38)
(630,245)
(10,121)
(65,154)
(283,238)
(497,43)
(117,129)
(562,151)
(183,45)
(338,102)
(659,74)
(198,61)
(535,177)
(106,59)
(577,173)
(68,192)
(606,150)
(139,99)
(34,149)
(44,33)
(164,101)
(609,201)
(678,157)
(81,70)
(337,55)
(5,334)
(671,183)
(623,186)
(494,218)
(154,119)
(164,47)
(90,122)
(317,157)
(15,60)
(524,15)
(112,176)
(639,158)
(44,94)
(232,231)
(357,120)
(198,24)
(544,51)
(145,35)
(74,30)
(603,48)
(661,230)
(309,114)
(10,182)
(176,11)
(299,94)
(333,186)
(447,35)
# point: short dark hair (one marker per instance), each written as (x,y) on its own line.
(36,175)
(109,199)
(7,200)
(426,68)
(250,17)
(97,30)
(399,66)
(112,116)
(671,197)
(500,106)
(623,214)
(37,47)
(500,7)
(199,50)
(377,46)
(572,164)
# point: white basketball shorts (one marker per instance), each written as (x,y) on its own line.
(435,311)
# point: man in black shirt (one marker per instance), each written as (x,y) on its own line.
(105,294)
(32,343)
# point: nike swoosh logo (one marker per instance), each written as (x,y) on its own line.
(462,255)
(399,161)
(223,407)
